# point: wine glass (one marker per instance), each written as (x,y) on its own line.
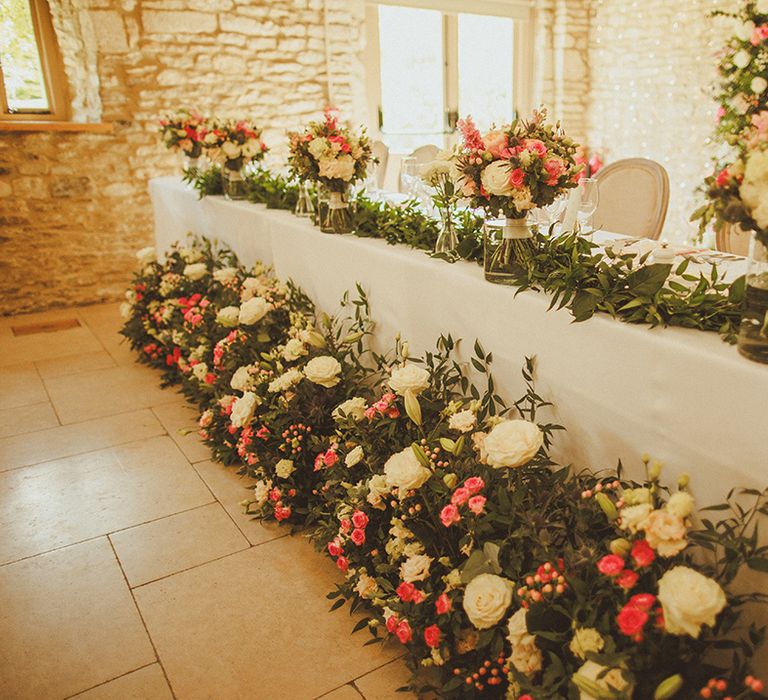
(554,211)
(589,201)
(409,176)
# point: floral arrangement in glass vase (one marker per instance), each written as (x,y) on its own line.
(737,190)
(440,175)
(511,170)
(233,144)
(184,132)
(332,155)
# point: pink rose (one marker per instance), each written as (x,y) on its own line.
(611,565)
(474,484)
(360,519)
(477,504)
(555,169)
(517,178)
(358,536)
(330,458)
(642,553)
(535,146)
(443,604)
(345,525)
(334,547)
(449,515)
(342,563)
(403,632)
(275,495)
(392,623)
(406,591)
(460,496)
(495,142)
(282,513)
(759,34)
(432,636)
(627,579)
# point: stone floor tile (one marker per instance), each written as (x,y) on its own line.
(73,364)
(67,622)
(27,419)
(181,416)
(20,385)
(68,440)
(147,683)
(70,500)
(45,346)
(162,547)
(256,624)
(383,683)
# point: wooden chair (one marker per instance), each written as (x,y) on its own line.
(732,239)
(633,198)
(424,154)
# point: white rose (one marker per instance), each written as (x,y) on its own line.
(434,170)
(286,380)
(317,147)
(758,85)
(665,532)
(145,256)
(761,7)
(200,370)
(415,568)
(377,489)
(253,310)
(745,31)
(228,316)
(486,600)
(126,310)
(241,379)
(404,471)
(195,271)
(741,59)
(495,178)
(690,600)
(633,517)
(261,492)
(409,378)
(284,468)
(243,409)
(354,457)
(340,168)
(463,421)
(366,587)
(512,443)
(323,370)
(523,199)
(251,148)
(680,504)
(293,350)
(225,274)
(636,496)
(739,104)
(754,188)
(231,150)
(353,408)
(526,656)
(610,681)
(190,255)
(586,640)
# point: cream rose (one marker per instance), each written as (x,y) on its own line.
(665,532)
(241,379)
(609,682)
(231,150)
(317,147)
(243,409)
(145,256)
(285,381)
(754,188)
(200,370)
(415,568)
(126,309)
(742,59)
(323,370)
(486,599)
(680,504)
(463,421)
(195,271)
(761,7)
(404,471)
(366,587)
(409,378)
(512,443)
(225,274)
(293,350)
(495,178)
(758,85)
(690,600)
(261,492)
(353,408)
(284,468)
(526,656)
(377,489)
(228,317)
(339,168)
(253,310)
(354,456)
(633,517)
(586,640)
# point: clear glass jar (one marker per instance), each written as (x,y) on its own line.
(191,166)
(305,207)
(507,245)
(234,184)
(753,329)
(337,216)
(447,241)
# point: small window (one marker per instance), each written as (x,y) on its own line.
(32,82)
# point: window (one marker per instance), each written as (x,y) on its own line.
(31,78)
(427,67)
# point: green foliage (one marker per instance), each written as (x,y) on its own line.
(276,191)
(206,182)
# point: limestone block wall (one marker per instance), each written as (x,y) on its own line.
(74,206)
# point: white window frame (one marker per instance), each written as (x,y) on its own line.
(522,11)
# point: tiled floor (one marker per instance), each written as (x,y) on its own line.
(127,569)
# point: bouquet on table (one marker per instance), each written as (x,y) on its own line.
(233,144)
(440,174)
(737,190)
(511,170)
(333,156)
(184,131)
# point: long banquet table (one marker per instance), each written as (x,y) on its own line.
(683,396)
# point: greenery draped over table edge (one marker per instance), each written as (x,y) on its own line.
(576,273)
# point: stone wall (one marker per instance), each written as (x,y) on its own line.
(652,65)
(74,206)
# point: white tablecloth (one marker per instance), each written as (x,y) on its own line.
(683,396)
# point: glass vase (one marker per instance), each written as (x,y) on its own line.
(304,205)
(753,329)
(191,166)
(336,217)
(507,246)
(447,241)
(234,184)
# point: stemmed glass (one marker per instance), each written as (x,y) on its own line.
(589,201)
(409,176)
